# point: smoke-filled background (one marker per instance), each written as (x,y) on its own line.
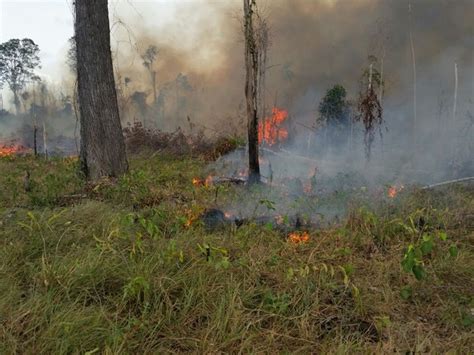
(314,45)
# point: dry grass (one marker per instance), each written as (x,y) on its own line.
(115,270)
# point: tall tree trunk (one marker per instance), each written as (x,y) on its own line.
(413,57)
(16,101)
(45,141)
(153,82)
(102,142)
(455,105)
(251,84)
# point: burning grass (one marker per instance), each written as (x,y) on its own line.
(122,269)
(12,149)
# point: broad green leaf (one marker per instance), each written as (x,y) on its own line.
(443,236)
(427,245)
(453,251)
(408,261)
(419,272)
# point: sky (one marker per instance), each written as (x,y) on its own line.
(49,23)
(303,33)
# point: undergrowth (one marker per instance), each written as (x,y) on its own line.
(117,267)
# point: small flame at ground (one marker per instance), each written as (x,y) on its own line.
(298,237)
(394,190)
(270,130)
(8,150)
(203,182)
(208,181)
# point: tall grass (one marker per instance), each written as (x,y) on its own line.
(113,268)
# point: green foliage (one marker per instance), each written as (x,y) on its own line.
(335,114)
(334,107)
(18,61)
(278,303)
(112,268)
(418,254)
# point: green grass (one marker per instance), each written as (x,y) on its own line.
(113,268)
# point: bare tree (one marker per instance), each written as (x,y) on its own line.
(413,57)
(455,104)
(262,35)
(102,142)
(251,88)
(369,108)
(149,58)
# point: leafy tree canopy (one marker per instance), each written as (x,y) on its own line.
(18,61)
(334,108)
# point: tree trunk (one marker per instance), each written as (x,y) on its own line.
(153,82)
(45,141)
(251,82)
(102,142)
(16,101)
(455,92)
(413,57)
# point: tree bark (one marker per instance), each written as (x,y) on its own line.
(16,101)
(251,93)
(455,91)
(102,143)
(413,57)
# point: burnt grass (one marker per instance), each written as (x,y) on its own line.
(129,266)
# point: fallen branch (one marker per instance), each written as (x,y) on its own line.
(230,180)
(448,182)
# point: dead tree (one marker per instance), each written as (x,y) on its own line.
(262,43)
(102,142)
(149,58)
(413,57)
(251,88)
(370,110)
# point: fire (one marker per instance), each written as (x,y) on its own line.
(203,182)
(270,130)
(9,150)
(298,237)
(188,223)
(208,181)
(394,190)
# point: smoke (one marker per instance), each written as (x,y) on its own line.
(314,45)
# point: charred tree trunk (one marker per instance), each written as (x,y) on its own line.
(102,142)
(251,92)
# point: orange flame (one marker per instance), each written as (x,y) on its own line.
(298,237)
(188,222)
(270,130)
(394,190)
(208,181)
(9,150)
(203,182)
